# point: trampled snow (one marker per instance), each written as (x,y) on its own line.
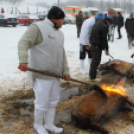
(9,37)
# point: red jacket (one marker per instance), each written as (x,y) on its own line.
(2,10)
(111,14)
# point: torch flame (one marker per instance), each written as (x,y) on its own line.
(119,89)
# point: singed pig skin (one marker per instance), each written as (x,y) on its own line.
(122,67)
(95,109)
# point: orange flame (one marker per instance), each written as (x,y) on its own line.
(119,89)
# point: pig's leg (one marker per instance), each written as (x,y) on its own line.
(106,72)
(110,66)
(126,107)
(97,127)
(129,102)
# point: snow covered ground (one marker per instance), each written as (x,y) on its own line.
(9,37)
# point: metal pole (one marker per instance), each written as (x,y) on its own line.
(58,3)
(12,6)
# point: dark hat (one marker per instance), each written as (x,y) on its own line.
(119,13)
(55,13)
(80,11)
(109,18)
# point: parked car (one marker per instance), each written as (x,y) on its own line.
(69,19)
(27,19)
(8,19)
(42,16)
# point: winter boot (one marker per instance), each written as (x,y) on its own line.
(38,122)
(49,122)
(82,70)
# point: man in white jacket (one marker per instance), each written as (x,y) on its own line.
(84,40)
(45,42)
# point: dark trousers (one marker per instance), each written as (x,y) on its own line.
(130,39)
(96,58)
(78,31)
(119,31)
(83,52)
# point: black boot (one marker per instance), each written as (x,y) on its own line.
(119,38)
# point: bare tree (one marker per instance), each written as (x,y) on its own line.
(103,5)
(14,1)
(108,5)
(41,4)
(129,6)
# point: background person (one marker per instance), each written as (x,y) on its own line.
(120,24)
(112,28)
(84,40)
(98,40)
(79,21)
(129,26)
(45,41)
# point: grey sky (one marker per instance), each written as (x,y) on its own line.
(46,1)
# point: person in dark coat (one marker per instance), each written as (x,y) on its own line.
(129,26)
(120,24)
(99,42)
(115,19)
(112,28)
(79,21)
(84,40)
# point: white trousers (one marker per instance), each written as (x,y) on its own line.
(47,93)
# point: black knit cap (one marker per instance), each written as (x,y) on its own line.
(118,13)
(55,13)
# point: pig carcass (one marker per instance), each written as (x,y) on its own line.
(98,107)
(119,66)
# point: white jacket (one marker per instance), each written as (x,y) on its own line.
(86,31)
